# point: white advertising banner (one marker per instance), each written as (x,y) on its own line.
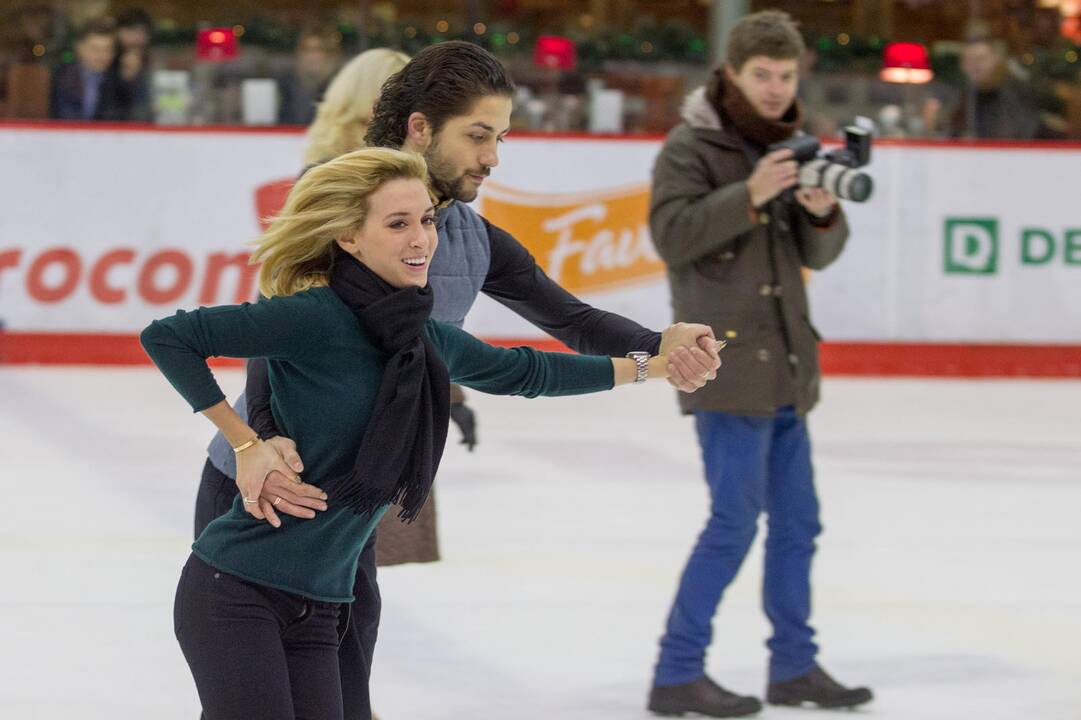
(960,244)
(103,231)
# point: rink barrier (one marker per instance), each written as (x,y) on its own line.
(1035,338)
(838,358)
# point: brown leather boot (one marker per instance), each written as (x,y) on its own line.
(817,688)
(701,696)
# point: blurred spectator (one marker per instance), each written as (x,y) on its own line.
(1053,85)
(130,70)
(318,54)
(84,90)
(343,116)
(994,103)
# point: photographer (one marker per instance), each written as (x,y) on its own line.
(735,240)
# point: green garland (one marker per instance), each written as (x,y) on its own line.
(653,43)
(647,43)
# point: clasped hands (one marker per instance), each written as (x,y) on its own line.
(693,355)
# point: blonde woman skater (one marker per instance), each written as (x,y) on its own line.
(360,376)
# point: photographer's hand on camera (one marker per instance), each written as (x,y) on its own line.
(774,173)
(818,202)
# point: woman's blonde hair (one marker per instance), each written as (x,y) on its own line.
(341,119)
(330,202)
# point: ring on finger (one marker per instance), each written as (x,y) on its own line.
(277,500)
(250,501)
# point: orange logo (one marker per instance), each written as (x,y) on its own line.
(586,242)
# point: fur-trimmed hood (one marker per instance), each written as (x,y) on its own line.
(698,112)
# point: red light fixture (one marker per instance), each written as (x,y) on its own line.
(556,52)
(216,44)
(904,62)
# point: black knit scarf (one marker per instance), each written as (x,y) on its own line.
(734,107)
(404,440)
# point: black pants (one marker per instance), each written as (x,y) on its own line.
(256,652)
(216,493)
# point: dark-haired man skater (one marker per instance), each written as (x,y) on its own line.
(734,244)
(451,103)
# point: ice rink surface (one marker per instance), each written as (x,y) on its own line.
(948,578)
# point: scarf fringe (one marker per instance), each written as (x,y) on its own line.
(365,500)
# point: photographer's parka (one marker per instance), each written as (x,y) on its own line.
(737,268)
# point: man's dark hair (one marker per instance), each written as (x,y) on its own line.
(97,26)
(442,81)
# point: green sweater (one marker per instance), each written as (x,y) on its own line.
(324,375)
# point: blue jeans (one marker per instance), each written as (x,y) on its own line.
(753,465)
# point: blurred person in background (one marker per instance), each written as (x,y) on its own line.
(317,57)
(735,233)
(995,104)
(342,117)
(130,70)
(85,89)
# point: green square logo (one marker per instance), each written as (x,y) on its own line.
(971,246)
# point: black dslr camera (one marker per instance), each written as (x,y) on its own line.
(835,170)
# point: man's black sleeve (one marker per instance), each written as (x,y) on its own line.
(515,280)
(257,392)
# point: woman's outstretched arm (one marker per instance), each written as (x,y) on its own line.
(528,372)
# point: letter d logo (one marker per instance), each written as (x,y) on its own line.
(971,246)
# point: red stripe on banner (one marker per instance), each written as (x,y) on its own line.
(951,360)
(882,359)
(78,349)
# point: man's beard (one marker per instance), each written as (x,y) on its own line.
(449,189)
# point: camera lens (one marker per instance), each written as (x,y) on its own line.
(844,182)
(857,186)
